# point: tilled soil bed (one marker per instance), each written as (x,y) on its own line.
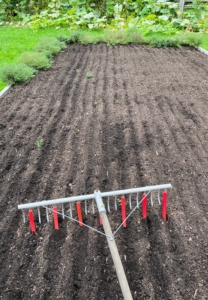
(140,120)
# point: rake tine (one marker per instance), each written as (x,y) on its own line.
(47,217)
(108,205)
(158,197)
(93,206)
(115,203)
(151,199)
(130,201)
(70,210)
(62,207)
(23,215)
(39,217)
(32,222)
(137,199)
(85,207)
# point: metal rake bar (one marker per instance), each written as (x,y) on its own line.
(92,196)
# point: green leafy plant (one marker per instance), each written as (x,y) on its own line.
(147,15)
(35,60)
(89,75)
(16,73)
(39,143)
(119,201)
(148,25)
(96,103)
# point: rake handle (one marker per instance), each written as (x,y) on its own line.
(116,258)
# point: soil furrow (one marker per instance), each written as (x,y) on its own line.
(11,159)
(58,165)
(149,136)
(126,136)
(41,166)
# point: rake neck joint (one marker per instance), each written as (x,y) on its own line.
(99,201)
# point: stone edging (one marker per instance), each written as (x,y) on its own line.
(203,50)
(5,90)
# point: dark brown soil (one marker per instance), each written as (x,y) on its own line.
(149,127)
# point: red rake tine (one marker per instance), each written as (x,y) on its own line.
(100,220)
(123,210)
(144,206)
(164,205)
(55,218)
(79,213)
(32,222)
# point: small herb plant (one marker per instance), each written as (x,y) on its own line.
(39,143)
(17,73)
(119,201)
(50,46)
(96,103)
(89,75)
(35,60)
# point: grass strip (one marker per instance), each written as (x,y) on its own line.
(14,41)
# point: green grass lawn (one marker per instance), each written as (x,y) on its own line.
(15,40)
(204,43)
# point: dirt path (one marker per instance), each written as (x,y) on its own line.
(149,126)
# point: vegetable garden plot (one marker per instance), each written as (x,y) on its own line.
(148,127)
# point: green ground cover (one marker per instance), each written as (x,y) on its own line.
(204,43)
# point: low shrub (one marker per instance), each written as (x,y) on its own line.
(47,53)
(16,73)
(75,37)
(50,46)
(188,39)
(163,43)
(79,37)
(134,36)
(113,37)
(63,38)
(88,38)
(131,35)
(35,60)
